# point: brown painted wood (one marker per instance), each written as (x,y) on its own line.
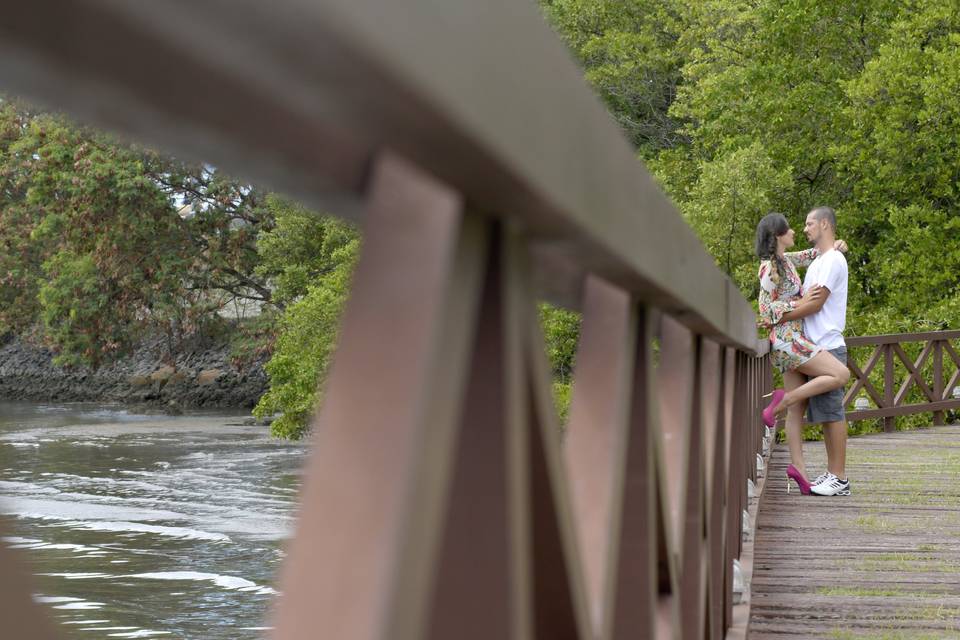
(890,405)
(692,599)
(735,477)
(675,379)
(938,416)
(711,428)
(952,383)
(597,437)
(679,467)
(896,338)
(952,352)
(560,605)
(364,556)
(862,378)
(881,563)
(904,410)
(889,423)
(753,433)
(635,608)
(915,373)
(277,109)
(65,55)
(609,460)
(516,535)
(436,501)
(21,616)
(955,378)
(483,586)
(717,423)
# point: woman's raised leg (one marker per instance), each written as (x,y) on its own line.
(826,373)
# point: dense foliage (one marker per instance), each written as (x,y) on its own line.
(777,105)
(786,105)
(104,242)
(313,258)
(101,241)
(739,107)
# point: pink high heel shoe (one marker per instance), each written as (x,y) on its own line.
(769,417)
(802,483)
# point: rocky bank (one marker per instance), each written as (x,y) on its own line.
(202,375)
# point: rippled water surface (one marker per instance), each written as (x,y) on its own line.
(147,526)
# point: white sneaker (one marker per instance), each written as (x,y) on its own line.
(820,478)
(832,486)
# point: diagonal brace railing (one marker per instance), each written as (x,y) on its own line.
(926,376)
(440,500)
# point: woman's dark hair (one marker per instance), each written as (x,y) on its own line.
(771,227)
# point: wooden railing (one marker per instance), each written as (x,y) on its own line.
(899,383)
(438,500)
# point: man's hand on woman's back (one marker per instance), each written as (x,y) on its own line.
(815,294)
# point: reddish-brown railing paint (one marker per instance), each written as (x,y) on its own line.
(901,374)
(440,501)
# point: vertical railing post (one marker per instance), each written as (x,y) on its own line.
(889,422)
(715,419)
(609,461)
(22,615)
(743,429)
(768,383)
(938,380)
(754,413)
(747,425)
(733,478)
(730,428)
(374,501)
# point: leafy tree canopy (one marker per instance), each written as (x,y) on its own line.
(787,105)
(100,241)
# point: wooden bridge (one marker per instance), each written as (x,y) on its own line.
(883,563)
(440,501)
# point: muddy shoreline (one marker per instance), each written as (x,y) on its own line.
(203,375)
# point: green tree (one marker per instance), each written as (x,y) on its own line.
(785,105)
(771,73)
(900,158)
(734,191)
(628,48)
(104,241)
(20,261)
(312,259)
(561,331)
(561,334)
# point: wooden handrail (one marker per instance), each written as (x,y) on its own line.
(899,338)
(891,399)
(327,86)
(439,502)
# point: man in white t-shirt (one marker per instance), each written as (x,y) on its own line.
(824,313)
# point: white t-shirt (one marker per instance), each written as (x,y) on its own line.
(826,326)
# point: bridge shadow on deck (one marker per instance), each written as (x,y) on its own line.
(883,563)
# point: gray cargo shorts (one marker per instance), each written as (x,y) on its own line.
(828,407)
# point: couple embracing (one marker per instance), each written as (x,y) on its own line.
(806,319)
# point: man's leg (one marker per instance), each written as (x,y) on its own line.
(828,442)
(827,410)
(835,440)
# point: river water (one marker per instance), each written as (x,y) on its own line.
(147,526)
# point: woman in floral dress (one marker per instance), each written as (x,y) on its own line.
(807,369)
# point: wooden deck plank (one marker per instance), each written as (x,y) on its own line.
(881,564)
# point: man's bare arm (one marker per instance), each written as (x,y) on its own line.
(809,304)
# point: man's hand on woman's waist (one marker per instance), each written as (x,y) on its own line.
(811,302)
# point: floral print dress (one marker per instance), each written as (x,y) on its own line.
(790,347)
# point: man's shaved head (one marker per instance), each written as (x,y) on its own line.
(826,213)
